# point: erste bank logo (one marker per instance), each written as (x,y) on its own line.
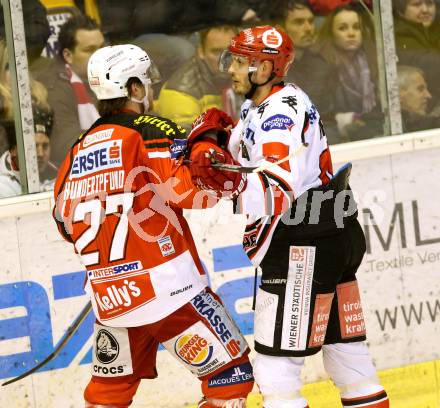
(101,156)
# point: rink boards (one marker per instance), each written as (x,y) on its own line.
(397,186)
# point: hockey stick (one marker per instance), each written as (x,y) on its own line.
(243,169)
(72,329)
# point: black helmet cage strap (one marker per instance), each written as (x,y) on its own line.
(254,85)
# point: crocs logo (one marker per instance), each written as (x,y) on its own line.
(107,348)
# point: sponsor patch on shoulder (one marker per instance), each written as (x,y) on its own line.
(166,246)
(96,137)
(244,113)
(277,122)
(178,148)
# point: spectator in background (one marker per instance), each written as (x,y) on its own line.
(168,52)
(43,121)
(58,12)
(4,144)
(6,109)
(164,28)
(125,20)
(36,28)
(9,167)
(151,24)
(67,85)
(345,41)
(414,100)
(417,33)
(38,92)
(324,7)
(309,70)
(199,85)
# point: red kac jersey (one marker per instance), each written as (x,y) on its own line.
(119,198)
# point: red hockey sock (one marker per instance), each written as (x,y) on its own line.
(376,400)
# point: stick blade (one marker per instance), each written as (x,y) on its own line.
(233,167)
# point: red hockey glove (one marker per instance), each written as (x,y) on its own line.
(227,183)
(213,125)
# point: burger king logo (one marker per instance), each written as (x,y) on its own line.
(193,349)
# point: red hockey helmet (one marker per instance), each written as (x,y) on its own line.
(261,43)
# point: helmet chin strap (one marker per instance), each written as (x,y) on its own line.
(144,101)
(254,85)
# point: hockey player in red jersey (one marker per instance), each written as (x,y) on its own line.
(302,227)
(119,198)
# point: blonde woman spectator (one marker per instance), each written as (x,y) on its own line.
(5,93)
(38,91)
(43,119)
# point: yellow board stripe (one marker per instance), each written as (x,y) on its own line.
(413,386)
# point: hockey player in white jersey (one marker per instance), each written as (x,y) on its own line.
(302,225)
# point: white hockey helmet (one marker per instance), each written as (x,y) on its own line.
(110,68)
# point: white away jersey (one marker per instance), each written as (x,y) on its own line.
(285,123)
